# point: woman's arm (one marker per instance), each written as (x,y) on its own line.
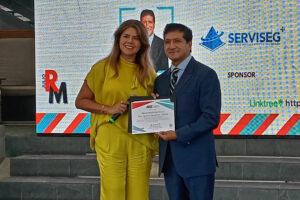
(86,101)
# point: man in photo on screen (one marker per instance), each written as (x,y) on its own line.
(157,53)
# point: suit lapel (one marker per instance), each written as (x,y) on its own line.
(186,76)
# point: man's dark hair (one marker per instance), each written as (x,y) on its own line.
(187,32)
(147,12)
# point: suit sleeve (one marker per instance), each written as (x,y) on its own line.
(210,107)
(155,86)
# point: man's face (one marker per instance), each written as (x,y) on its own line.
(148,21)
(176,47)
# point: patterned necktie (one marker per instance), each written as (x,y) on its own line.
(174,77)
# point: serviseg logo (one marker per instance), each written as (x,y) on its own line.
(212,40)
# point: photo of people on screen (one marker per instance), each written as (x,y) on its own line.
(157,53)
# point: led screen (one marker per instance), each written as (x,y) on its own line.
(252,45)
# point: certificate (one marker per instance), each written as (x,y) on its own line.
(148,115)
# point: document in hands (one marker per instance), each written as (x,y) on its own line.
(148,115)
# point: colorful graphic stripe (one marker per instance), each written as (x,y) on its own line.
(249,124)
(83,125)
(295,130)
(289,125)
(223,118)
(267,122)
(80,124)
(256,124)
(46,122)
(239,127)
(39,116)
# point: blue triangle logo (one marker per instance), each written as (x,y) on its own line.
(212,40)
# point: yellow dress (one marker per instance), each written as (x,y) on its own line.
(124,159)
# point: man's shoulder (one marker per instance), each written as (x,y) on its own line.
(162,76)
(201,68)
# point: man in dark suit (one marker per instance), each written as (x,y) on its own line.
(157,53)
(187,155)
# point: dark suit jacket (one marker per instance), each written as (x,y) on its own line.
(158,55)
(197,113)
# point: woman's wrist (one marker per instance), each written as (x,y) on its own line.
(103,109)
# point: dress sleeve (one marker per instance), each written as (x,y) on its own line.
(95,77)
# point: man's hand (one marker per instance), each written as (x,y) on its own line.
(154,95)
(167,135)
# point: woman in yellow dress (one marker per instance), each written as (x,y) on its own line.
(124,159)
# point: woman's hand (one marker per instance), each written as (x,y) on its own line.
(120,107)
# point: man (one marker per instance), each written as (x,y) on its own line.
(187,155)
(157,53)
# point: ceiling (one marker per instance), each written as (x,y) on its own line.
(16,14)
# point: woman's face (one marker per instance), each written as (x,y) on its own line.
(130,44)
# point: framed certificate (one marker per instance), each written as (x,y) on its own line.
(148,115)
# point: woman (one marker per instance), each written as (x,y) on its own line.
(124,159)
